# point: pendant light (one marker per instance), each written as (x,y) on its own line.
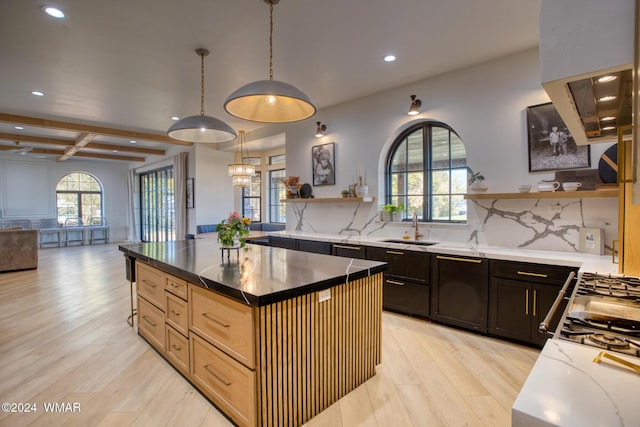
(240,172)
(414,108)
(270,101)
(201,128)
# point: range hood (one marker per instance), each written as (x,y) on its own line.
(586,60)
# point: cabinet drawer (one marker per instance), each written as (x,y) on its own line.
(224,322)
(541,273)
(315,247)
(230,385)
(406,297)
(151,323)
(177,349)
(350,251)
(177,313)
(150,284)
(176,286)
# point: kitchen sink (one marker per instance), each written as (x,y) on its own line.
(410,242)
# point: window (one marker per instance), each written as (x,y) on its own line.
(277,192)
(251,199)
(427,172)
(157,212)
(278,159)
(78,195)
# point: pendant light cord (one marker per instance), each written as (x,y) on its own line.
(202,83)
(271,40)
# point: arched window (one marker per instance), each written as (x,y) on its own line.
(78,195)
(426,171)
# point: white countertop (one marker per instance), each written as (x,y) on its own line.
(566,388)
(587,262)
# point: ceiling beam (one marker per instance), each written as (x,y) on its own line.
(99,130)
(82,140)
(38,139)
(87,155)
(69,143)
(126,148)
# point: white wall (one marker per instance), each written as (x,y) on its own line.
(111,175)
(484,104)
(214,194)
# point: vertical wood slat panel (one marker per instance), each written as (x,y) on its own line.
(312,353)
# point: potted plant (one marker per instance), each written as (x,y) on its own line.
(232,230)
(345,193)
(477,181)
(291,183)
(391,212)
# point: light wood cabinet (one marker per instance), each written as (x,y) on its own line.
(150,283)
(272,365)
(176,286)
(225,323)
(177,313)
(151,323)
(229,384)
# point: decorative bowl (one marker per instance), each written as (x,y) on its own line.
(571,186)
(524,188)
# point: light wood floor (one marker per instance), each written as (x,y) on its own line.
(64,338)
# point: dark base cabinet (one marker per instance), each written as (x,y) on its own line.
(350,251)
(521,296)
(283,242)
(314,246)
(460,291)
(406,297)
(406,287)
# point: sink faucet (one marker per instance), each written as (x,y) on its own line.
(414,222)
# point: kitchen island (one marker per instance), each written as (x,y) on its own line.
(270,336)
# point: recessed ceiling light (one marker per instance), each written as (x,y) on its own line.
(53,11)
(18,127)
(115,151)
(132,141)
(609,128)
(37,93)
(175,118)
(607,98)
(608,118)
(605,79)
(389,58)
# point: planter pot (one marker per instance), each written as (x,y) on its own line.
(479,186)
(390,216)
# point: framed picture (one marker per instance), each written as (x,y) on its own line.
(551,146)
(190,194)
(323,162)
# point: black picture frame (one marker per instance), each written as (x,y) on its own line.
(544,126)
(323,164)
(190,194)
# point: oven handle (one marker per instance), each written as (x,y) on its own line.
(544,326)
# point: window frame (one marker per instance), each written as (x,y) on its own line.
(426,214)
(79,196)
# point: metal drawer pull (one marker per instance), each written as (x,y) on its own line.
(393,282)
(526,273)
(213,319)
(176,313)
(526,302)
(149,321)
(395,253)
(354,248)
(626,363)
(544,326)
(450,258)
(535,294)
(146,282)
(218,377)
(176,346)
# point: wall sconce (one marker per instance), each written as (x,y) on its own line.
(415,106)
(320,130)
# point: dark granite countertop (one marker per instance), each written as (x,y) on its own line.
(257,275)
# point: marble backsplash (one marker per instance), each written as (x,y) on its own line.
(544,224)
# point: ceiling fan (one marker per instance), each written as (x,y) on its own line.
(18,150)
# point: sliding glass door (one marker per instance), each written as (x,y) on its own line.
(157,214)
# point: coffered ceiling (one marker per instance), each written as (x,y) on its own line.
(113,72)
